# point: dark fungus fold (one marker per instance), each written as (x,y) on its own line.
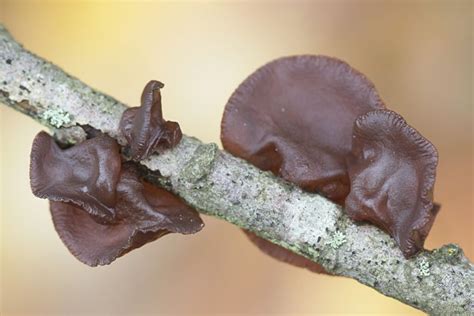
(154,208)
(101,208)
(85,174)
(144,127)
(144,212)
(294,117)
(392,169)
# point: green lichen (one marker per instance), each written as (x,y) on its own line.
(337,239)
(450,253)
(423,268)
(56,117)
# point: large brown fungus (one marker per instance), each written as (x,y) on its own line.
(85,174)
(100,207)
(144,212)
(392,170)
(144,127)
(294,117)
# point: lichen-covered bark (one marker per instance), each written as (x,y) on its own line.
(218,184)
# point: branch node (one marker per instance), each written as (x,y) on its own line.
(200,164)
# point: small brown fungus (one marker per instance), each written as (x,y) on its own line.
(85,174)
(392,170)
(294,117)
(144,127)
(100,207)
(144,214)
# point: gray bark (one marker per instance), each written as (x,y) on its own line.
(217,184)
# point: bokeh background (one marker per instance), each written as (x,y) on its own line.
(418,54)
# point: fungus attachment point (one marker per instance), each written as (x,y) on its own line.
(85,174)
(294,117)
(144,127)
(145,213)
(392,170)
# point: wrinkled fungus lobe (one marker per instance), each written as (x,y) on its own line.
(85,174)
(144,127)
(392,170)
(101,208)
(145,213)
(294,117)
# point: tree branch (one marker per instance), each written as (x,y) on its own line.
(217,184)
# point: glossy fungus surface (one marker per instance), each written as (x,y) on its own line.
(85,174)
(101,208)
(392,169)
(294,117)
(144,127)
(144,212)
(152,207)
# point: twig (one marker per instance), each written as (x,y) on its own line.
(214,182)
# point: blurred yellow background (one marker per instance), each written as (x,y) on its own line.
(418,54)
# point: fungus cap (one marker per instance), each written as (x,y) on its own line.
(144,127)
(294,117)
(392,169)
(85,174)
